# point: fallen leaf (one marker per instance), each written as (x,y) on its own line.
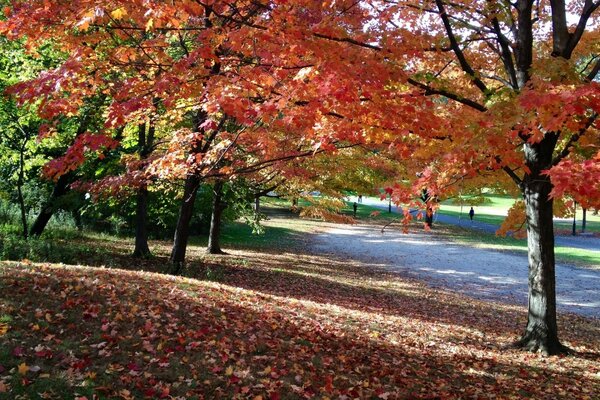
(23,368)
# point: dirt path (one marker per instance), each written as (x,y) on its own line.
(476,272)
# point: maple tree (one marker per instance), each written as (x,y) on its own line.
(514,82)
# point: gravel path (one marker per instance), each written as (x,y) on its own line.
(476,272)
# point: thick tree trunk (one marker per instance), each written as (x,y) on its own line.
(60,189)
(182,231)
(214,236)
(141,231)
(541,333)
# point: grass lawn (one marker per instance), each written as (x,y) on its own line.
(495,208)
(269,321)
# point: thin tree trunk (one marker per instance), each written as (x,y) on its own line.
(584,220)
(541,333)
(76,213)
(214,236)
(429,217)
(182,231)
(257,204)
(20,192)
(141,232)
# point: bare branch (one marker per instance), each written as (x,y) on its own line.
(453,96)
(464,64)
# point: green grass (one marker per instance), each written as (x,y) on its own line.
(568,255)
(364,211)
(495,207)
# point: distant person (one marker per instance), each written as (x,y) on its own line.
(355,206)
(360,198)
(471,214)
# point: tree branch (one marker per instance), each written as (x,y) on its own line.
(429,91)
(464,64)
(567,149)
(592,75)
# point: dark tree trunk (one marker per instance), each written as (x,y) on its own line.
(60,189)
(429,217)
(141,220)
(541,333)
(182,231)
(76,213)
(141,213)
(20,183)
(214,236)
(23,210)
(257,204)
(584,220)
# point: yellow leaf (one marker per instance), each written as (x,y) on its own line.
(3,329)
(119,13)
(23,369)
(229,370)
(150,24)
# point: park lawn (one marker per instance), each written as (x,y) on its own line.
(568,255)
(264,323)
(495,207)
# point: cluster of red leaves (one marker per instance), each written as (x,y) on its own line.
(291,327)
(579,180)
(76,154)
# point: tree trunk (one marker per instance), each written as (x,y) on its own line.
(541,333)
(214,236)
(76,213)
(429,217)
(60,189)
(257,204)
(20,183)
(182,231)
(584,220)
(141,214)
(141,217)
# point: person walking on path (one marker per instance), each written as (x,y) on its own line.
(471,214)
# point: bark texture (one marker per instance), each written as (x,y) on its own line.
(541,332)
(145,142)
(218,206)
(182,231)
(141,224)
